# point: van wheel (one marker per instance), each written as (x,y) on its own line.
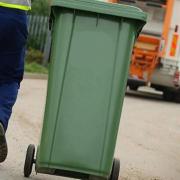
(133,87)
(177,97)
(168,95)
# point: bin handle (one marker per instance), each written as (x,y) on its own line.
(51,19)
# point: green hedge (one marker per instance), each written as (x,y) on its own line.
(35,68)
(34,55)
(40,7)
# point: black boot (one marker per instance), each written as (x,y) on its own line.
(3,144)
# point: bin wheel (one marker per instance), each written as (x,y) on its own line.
(115,170)
(168,95)
(29,160)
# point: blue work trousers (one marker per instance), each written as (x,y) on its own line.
(13,36)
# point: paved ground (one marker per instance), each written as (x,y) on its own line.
(148,142)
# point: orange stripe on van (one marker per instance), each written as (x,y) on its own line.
(174,45)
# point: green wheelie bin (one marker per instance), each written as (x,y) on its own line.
(92,43)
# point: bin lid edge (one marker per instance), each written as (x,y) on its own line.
(103,8)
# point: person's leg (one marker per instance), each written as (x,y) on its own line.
(13,35)
(8,95)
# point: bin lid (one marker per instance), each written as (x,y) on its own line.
(103,7)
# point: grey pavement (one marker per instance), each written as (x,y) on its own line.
(148,142)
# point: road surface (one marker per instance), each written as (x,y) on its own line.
(148,142)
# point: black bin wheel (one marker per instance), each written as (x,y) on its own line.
(115,170)
(29,160)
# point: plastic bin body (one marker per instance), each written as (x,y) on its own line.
(89,67)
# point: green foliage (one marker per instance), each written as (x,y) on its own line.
(32,42)
(40,7)
(35,68)
(34,59)
(34,55)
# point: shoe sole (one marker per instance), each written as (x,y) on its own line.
(3,145)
